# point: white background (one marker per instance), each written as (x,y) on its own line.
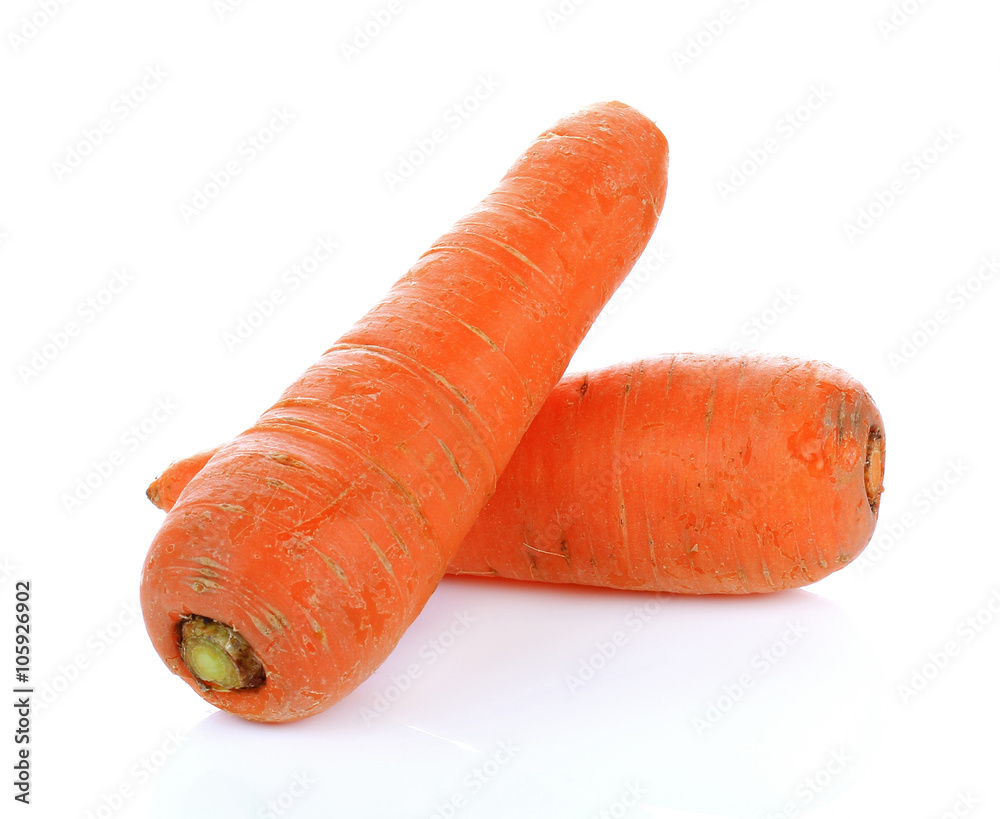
(826,729)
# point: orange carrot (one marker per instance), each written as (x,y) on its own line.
(688,473)
(694,474)
(294,560)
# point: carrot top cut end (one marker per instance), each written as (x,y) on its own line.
(874,467)
(218,656)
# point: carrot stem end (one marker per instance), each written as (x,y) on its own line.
(874,467)
(218,656)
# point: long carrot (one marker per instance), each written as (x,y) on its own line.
(694,474)
(294,560)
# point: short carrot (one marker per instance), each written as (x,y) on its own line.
(296,558)
(694,474)
(689,473)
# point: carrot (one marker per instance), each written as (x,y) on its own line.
(295,559)
(693,474)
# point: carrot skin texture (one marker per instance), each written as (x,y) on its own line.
(319,533)
(691,474)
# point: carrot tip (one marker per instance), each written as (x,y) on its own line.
(218,656)
(874,467)
(153,493)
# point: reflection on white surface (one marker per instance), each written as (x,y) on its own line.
(508,699)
